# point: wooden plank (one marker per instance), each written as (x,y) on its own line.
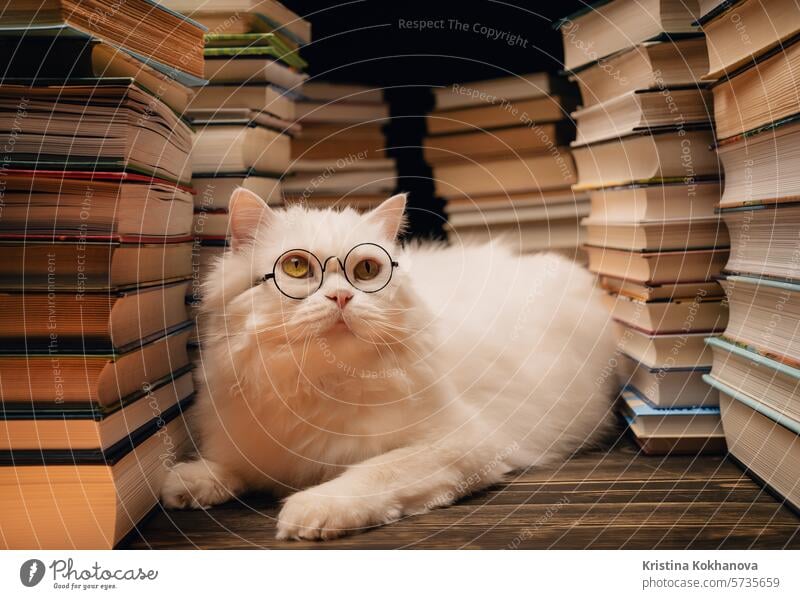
(602,500)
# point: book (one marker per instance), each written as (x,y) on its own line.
(771,382)
(252,69)
(345,182)
(260,98)
(258,14)
(656,202)
(588,35)
(707,6)
(647,66)
(213,193)
(767,444)
(112,22)
(350,142)
(123,208)
(769,155)
(325,91)
(525,236)
(517,214)
(95,125)
(63,320)
(670,422)
(215,40)
(340,112)
(763,240)
(660,445)
(64,59)
(218,22)
(657,235)
(243,46)
(223,148)
(91,427)
(764,93)
(497,91)
(103,377)
(514,174)
(362,202)
(527,112)
(340,148)
(242,117)
(89,263)
(665,291)
(641,110)
(655,157)
(503,201)
(669,317)
(363,162)
(768,24)
(666,351)
(356,131)
(669,387)
(765,315)
(494,142)
(657,268)
(211,224)
(101,495)
(206,251)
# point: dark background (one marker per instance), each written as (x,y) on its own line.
(364,41)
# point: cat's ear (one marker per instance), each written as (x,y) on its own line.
(249,214)
(390,215)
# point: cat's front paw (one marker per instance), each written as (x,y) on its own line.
(311,515)
(198,485)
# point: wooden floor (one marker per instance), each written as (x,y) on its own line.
(605,500)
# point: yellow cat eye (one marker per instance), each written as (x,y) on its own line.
(366,270)
(296,266)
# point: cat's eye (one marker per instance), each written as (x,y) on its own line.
(297,267)
(366,270)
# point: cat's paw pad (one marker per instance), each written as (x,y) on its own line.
(196,485)
(311,516)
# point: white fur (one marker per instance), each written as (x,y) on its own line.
(473,362)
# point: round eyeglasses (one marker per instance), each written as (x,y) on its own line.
(299,273)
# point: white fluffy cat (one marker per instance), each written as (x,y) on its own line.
(366,406)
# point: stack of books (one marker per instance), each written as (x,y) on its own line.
(500,159)
(757,113)
(340,157)
(244,118)
(642,152)
(95,230)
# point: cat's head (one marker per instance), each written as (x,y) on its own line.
(296,273)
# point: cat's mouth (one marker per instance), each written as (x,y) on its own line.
(339,324)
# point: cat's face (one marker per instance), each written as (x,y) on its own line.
(307,294)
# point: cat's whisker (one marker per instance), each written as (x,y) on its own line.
(405,345)
(386,343)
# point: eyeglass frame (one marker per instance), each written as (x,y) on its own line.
(323,265)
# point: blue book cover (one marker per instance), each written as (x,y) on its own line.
(639,407)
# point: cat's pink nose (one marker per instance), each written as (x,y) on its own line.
(341,298)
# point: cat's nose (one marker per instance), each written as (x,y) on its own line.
(340,297)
